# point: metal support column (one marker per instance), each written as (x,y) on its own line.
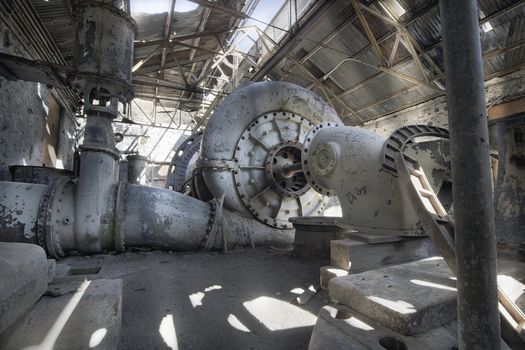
(478,317)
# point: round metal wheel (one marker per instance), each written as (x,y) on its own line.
(268,173)
(183,162)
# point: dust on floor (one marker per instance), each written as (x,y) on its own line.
(235,300)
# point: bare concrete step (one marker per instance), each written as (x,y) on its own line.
(86,316)
(329,272)
(357,255)
(339,327)
(411,298)
(23,279)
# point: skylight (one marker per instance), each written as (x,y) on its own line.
(263,12)
(159,6)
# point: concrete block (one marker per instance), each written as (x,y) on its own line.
(313,235)
(62,270)
(329,272)
(89,316)
(374,238)
(51,270)
(23,279)
(362,256)
(410,298)
(339,327)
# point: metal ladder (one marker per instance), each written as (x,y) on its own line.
(440,228)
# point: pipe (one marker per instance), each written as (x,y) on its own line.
(169,220)
(137,165)
(146,217)
(96,188)
(94,212)
(478,317)
(19,208)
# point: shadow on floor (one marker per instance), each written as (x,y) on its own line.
(236,300)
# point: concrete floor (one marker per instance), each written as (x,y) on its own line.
(235,300)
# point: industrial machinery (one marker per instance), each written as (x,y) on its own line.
(250,158)
(270,151)
(357,165)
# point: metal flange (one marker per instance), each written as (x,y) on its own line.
(322,160)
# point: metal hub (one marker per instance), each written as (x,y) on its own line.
(284,169)
(268,170)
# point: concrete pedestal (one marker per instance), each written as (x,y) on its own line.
(339,327)
(412,298)
(87,315)
(313,235)
(355,255)
(23,279)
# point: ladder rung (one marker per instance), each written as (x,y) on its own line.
(426,193)
(415,172)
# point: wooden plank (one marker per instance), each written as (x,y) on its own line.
(506,109)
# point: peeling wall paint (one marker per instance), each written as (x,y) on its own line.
(24,109)
(434,112)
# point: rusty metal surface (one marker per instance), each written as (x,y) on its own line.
(38,174)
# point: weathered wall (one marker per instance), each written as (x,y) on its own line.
(434,112)
(25,129)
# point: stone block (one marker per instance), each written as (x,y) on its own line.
(410,298)
(339,327)
(87,315)
(329,272)
(313,235)
(23,279)
(361,256)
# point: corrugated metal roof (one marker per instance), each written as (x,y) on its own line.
(371,91)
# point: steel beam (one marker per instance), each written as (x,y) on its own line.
(295,38)
(478,316)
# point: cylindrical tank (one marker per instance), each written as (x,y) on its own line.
(104,47)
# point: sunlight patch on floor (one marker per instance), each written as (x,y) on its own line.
(235,323)
(277,315)
(168,333)
(97,337)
